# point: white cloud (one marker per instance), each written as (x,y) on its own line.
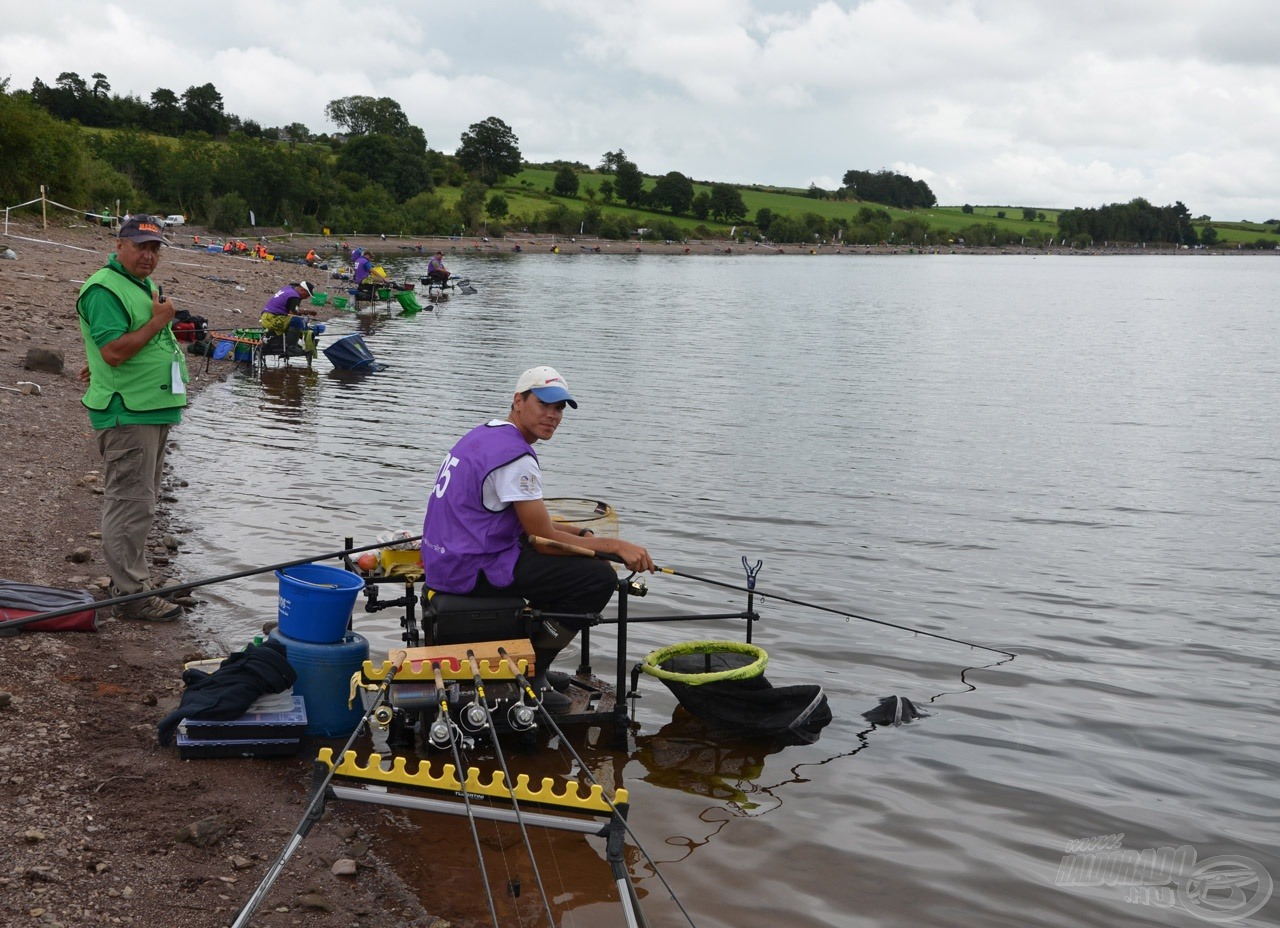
(988,100)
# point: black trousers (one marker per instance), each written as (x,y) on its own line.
(551,583)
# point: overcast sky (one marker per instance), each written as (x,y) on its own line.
(1010,102)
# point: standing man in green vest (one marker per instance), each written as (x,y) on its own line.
(137,377)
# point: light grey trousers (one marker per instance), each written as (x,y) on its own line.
(133,464)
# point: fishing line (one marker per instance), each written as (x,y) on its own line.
(511,785)
(443,719)
(750,589)
(582,765)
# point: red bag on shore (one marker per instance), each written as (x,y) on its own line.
(19,601)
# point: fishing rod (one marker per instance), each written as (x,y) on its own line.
(443,730)
(15,624)
(315,806)
(626,891)
(502,762)
(587,552)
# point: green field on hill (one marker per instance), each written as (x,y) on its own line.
(529,196)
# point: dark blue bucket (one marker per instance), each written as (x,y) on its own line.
(324,681)
(316,601)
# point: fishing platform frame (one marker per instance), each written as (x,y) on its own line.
(595,701)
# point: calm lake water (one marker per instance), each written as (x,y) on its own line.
(1074,459)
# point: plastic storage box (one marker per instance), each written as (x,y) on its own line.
(253,726)
(189,748)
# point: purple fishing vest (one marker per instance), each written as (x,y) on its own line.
(460,537)
(278,305)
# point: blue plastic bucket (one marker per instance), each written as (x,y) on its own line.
(316,601)
(324,681)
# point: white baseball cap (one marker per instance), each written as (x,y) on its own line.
(546,384)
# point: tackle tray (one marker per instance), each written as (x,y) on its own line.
(189,749)
(272,726)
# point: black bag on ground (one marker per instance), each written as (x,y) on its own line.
(189,327)
(229,691)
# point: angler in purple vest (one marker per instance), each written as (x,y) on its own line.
(487,503)
(286,309)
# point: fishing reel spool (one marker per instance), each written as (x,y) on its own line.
(470,721)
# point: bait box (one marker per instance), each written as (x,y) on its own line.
(252,726)
(189,749)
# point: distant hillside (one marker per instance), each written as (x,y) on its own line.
(229,174)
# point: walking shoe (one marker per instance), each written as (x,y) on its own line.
(151,609)
(558,681)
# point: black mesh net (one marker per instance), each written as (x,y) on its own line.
(751,708)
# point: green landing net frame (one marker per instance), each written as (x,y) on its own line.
(653,661)
(580,514)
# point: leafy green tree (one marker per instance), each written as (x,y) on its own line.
(35,149)
(566,182)
(606,191)
(890,188)
(497,207)
(1028,215)
(490,151)
(591,217)
(203,110)
(397,164)
(628,183)
(1208,236)
(558,219)
(166,111)
(673,191)
(615,226)
(363,115)
(764,217)
(726,203)
(787,228)
(701,206)
(470,204)
(610,160)
(425,214)
(909,230)
(967,209)
(228,214)
(187,174)
(139,157)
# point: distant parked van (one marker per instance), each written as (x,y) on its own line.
(175,220)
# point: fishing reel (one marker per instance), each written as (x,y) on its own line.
(636,585)
(521,716)
(440,734)
(473,718)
